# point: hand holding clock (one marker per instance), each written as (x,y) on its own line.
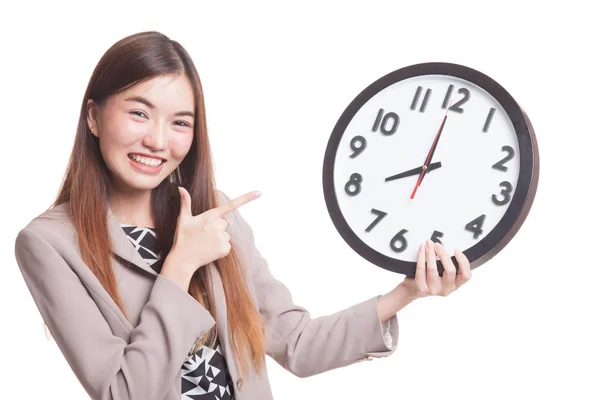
(427,281)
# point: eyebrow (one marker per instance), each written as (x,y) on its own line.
(147,102)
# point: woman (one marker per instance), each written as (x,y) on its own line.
(148,277)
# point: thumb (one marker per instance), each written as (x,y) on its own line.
(185,203)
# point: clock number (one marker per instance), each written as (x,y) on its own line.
(456,106)
(505,193)
(380,216)
(447,97)
(475,226)
(358,144)
(436,236)
(353,185)
(398,242)
(500,164)
(415,102)
(381,122)
(489,118)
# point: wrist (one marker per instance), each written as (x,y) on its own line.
(404,294)
(178,261)
(390,303)
(176,271)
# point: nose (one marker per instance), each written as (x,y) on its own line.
(156,138)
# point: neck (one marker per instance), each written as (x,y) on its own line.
(132,208)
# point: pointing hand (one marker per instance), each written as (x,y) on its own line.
(203,238)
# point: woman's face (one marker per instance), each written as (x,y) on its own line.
(145,131)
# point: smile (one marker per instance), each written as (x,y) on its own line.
(149,161)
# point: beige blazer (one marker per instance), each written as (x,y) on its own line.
(141,360)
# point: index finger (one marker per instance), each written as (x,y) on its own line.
(234,204)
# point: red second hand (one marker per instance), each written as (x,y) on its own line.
(428,159)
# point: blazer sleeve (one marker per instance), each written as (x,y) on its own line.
(308,346)
(108,367)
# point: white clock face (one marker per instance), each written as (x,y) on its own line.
(472,176)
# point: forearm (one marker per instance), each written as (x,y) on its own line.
(158,344)
(308,346)
(390,303)
(110,366)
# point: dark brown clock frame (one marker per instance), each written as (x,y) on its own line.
(524,193)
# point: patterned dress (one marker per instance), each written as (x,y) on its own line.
(204,374)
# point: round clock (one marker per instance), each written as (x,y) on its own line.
(434,151)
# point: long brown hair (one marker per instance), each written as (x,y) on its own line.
(86,186)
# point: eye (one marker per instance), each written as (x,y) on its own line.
(181,123)
(139,114)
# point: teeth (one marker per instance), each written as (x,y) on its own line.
(153,162)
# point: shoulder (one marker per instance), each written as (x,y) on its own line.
(53,227)
(222,197)
(234,217)
(239,228)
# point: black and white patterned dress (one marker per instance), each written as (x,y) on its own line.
(204,374)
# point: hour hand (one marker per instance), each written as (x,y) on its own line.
(414,171)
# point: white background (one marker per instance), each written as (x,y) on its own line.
(276,78)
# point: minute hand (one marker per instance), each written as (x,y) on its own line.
(414,171)
(430,155)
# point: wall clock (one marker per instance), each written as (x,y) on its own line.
(434,151)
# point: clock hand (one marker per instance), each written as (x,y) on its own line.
(430,154)
(414,171)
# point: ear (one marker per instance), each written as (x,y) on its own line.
(92,116)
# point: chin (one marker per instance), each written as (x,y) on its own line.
(144,185)
(147,182)
(139,183)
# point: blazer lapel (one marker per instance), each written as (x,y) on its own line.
(122,246)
